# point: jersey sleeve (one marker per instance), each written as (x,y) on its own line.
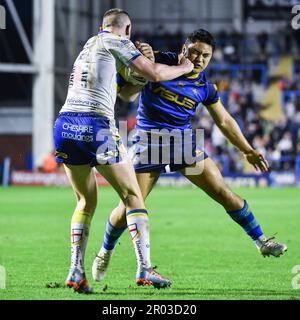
(212,96)
(126,75)
(122,49)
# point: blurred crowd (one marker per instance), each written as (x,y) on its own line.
(279,141)
(242,93)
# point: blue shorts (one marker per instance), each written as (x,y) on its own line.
(165,151)
(87,138)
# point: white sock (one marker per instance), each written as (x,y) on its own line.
(138,227)
(77,258)
(79,238)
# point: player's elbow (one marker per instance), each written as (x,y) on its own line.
(158,78)
(155,77)
(156,74)
(150,71)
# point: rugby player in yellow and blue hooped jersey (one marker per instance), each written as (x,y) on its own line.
(170,106)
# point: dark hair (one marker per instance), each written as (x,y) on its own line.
(202,36)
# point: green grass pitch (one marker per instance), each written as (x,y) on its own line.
(193,241)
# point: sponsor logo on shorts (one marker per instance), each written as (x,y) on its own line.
(61,155)
(77,137)
(78,128)
(77,132)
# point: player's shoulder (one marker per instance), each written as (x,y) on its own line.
(205,82)
(210,89)
(111,38)
(166,57)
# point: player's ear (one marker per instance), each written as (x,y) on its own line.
(184,50)
(128,30)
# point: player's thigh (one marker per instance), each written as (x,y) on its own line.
(122,178)
(146,182)
(83,181)
(211,181)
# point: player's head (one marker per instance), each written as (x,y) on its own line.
(118,21)
(199,48)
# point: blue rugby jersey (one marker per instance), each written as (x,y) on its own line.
(172,104)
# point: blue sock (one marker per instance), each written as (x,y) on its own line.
(112,235)
(245,218)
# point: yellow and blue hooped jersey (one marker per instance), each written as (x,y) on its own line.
(172,104)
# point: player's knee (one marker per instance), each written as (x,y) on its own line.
(128,191)
(87,203)
(133,198)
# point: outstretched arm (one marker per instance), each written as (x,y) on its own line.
(233,133)
(129,92)
(157,72)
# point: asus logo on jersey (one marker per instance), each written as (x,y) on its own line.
(176,98)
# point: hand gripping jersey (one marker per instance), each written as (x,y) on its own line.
(92,85)
(172,104)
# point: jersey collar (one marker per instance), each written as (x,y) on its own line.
(104,31)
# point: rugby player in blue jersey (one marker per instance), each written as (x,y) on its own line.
(171,105)
(86,137)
